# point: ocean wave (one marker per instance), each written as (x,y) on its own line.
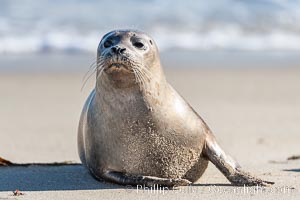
(231,39)
(77,26)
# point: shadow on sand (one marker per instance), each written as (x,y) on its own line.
(215,185)
(292,170)
(54,176)
(48,177)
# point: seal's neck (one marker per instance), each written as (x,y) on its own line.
(143,90)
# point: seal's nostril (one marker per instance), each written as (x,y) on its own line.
(122,50)
(114,49)
(118,50)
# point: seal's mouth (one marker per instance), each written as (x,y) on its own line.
(117,67)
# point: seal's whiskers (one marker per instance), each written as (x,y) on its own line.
(92,69)
(140,79)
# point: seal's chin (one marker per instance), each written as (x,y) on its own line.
(121,75)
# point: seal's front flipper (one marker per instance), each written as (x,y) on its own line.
(230,168)
(126,179)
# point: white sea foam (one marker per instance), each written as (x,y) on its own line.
(42,26)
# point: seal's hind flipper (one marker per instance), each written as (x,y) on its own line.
(229,167)
(4,162)
(127,179)
(241,177)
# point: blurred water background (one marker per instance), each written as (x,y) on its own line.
(235,33)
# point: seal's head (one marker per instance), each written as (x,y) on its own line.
(127,56)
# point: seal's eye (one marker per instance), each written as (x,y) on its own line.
(107,43)
(138,45)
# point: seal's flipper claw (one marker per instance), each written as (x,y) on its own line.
(242,178)
(229,167)
(127,179)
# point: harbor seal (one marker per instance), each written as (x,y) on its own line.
(135,129)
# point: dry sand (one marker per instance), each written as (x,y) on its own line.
(255,115)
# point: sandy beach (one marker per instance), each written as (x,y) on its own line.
(254,113)
(237,63)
